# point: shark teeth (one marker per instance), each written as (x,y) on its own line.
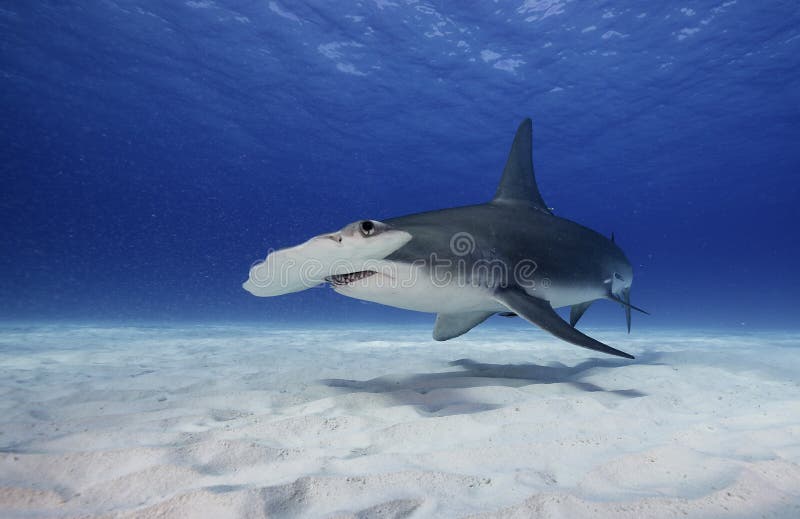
(345,279)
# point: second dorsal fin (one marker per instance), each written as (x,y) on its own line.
(518,184)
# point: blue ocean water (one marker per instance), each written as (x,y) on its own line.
(152,151)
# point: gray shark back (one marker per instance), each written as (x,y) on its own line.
(512,233)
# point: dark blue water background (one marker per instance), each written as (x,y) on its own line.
(152,150)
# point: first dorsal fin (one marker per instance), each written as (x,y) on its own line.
(518,184)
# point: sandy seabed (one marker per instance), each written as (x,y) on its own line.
(235,421)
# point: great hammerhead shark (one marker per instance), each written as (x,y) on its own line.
(510,256)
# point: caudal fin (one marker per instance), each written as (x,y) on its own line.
(625,300)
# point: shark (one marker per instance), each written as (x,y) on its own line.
(510,256)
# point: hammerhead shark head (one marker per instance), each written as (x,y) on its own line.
(509,256)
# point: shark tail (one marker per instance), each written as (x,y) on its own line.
(624,298)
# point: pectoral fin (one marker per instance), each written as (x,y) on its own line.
(576,311)
(540,313)
(452,325)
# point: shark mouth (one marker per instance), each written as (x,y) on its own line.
(352,277)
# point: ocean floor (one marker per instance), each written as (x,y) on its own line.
(242,421)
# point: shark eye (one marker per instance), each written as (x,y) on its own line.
(367,228)
(616,275)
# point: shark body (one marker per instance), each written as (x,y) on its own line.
(510,256)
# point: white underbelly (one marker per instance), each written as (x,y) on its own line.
(411,287)
(404,285)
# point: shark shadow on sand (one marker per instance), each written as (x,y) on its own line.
(448,392)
